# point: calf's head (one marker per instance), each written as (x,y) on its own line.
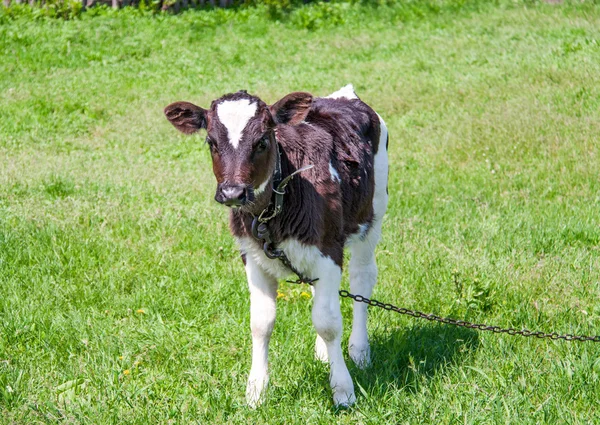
(242,139)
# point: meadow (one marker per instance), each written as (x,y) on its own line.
(122,296)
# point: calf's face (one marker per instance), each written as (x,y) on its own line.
(241,137)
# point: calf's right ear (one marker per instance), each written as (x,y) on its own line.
(292,109)
(186,117)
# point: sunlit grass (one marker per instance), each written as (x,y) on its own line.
(122,296)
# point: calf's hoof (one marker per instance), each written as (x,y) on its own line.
(360,355)
(255,391)
(342,388)
(343,399)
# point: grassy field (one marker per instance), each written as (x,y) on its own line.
(122,296)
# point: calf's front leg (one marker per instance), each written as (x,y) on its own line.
(327,319)
(263,295)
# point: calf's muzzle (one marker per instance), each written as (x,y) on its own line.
(232,195)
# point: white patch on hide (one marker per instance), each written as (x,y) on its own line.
(334,174)
(346,91)
(260,189)
(380,166)
(306,258)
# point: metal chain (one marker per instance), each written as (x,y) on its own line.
(448,320)
(468,325)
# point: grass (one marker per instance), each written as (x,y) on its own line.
(122,296)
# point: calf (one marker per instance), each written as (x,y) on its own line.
(337,146)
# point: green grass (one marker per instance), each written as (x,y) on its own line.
(114,257)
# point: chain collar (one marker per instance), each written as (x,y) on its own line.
(260,229)
(279,185)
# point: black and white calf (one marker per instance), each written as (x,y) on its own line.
(338,202)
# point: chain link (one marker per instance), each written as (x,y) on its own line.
(464,324)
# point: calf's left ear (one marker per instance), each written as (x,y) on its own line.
(292,109)
(186,117)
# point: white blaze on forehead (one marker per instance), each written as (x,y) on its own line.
(234,115)
(347,92)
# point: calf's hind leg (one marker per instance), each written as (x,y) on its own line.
(363,276)
(363,269)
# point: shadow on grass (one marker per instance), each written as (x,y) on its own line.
(408,358)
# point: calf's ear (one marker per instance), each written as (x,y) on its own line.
(186,117)
(292,109)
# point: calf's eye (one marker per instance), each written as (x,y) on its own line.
(262,146)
